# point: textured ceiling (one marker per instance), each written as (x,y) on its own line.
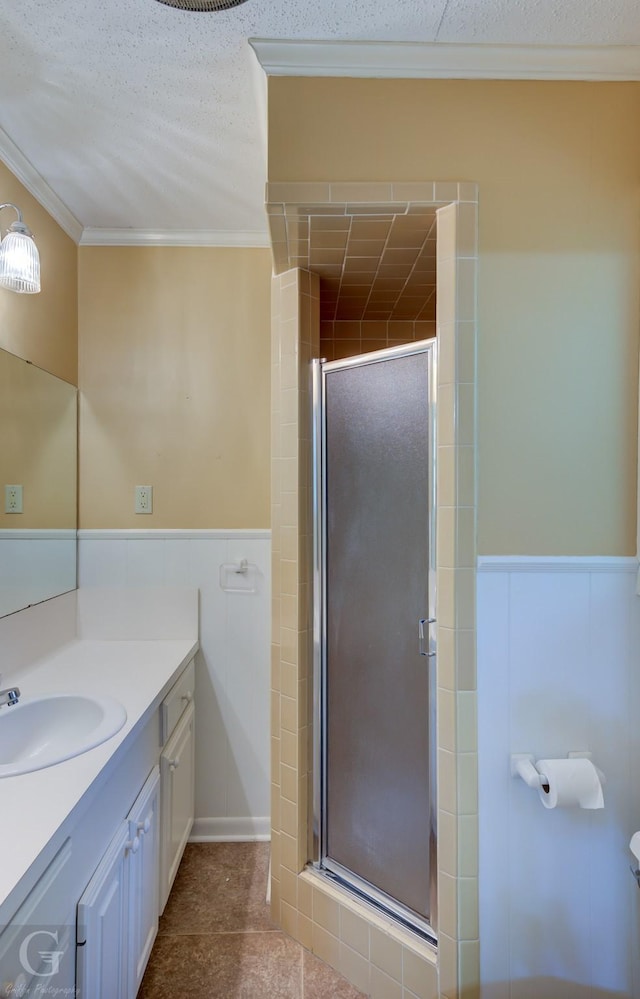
(142,116)
(542,22)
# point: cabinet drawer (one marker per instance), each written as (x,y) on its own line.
(178,698)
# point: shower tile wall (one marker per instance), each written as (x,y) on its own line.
(458,956)
(346,338)
(364,947)
(296,324)
(345,933)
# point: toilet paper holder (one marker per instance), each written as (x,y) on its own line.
(523,765)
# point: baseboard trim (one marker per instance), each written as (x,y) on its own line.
(560,563)
(231,830)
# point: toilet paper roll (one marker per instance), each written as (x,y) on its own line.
(570,783)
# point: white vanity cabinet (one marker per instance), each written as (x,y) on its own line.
(177,778)
(117,917)
(83,919)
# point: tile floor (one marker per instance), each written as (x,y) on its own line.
(216,939)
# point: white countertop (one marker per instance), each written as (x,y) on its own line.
(33,806)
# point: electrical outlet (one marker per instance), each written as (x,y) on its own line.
(13,499)
(144,499)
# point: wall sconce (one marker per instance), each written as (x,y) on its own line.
(19,258)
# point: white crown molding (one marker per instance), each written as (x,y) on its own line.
(447,61)
(560,563)
(36,185)
(93,236)
(138,534)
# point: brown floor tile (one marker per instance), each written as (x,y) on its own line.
(218,856)
(219,888)
(216,939)
(224,966)
(322,982)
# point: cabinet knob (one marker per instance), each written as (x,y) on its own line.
(188,697)
(174,764)
(133,845)
(144,827)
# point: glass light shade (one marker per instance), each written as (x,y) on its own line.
(19,263)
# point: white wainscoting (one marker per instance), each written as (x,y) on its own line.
(232,667)
(36,565)
(558,670)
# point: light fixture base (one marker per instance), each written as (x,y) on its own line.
(202,6)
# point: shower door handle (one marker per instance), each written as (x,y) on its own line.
(422,637)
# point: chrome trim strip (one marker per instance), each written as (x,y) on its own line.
(386,354)
(379,899)
(318,638)
(433,632)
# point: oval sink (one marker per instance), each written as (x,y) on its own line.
(41,731)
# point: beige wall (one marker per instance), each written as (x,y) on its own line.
(174,365)
(39,445)
(558,166)
(42,328)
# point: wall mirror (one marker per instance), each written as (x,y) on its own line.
(38,484)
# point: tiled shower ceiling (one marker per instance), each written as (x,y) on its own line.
(373,265)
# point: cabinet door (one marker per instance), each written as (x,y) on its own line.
(144,824)
(177,797)
(101,952)
(37,949)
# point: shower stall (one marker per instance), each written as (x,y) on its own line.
(374,629)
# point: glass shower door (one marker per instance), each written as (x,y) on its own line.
(377,679)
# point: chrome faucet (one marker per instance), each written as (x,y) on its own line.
(9,696)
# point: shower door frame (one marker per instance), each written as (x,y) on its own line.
(320,860)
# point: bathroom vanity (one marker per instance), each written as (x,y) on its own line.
(91,845)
